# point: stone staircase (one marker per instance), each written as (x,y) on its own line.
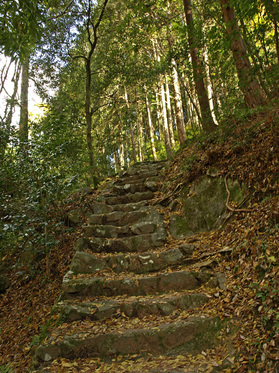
(127,292)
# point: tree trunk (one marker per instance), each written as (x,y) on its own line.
(23,120)
(134,152)
(253,93)
(159,116)
(89,123)
(139,130)
(207,121)
(170,121)
(165,122)
(7,120)
(178,105)
(150,126)
(121,144)
(209,84)
(274,18)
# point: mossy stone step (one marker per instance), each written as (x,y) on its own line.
(192,335)
(136,285)
(119,218)
(132,244)
(112,231)
(102,309)
(130,198)
(143,186)
(84,262)
(136,181)
(103,208)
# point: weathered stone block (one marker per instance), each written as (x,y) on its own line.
(84,262)
(204,205)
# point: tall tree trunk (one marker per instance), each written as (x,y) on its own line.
(120,141)
(150,126)
(164,115)
(209,84)
(253,93)
(23,120)
(159,115)
(274,18)
(88,116)
(117,166)
(169,112)
(139,130)
(91,30)
(178,105)
(134,152)
(165,122)
(207,120)
(8,116)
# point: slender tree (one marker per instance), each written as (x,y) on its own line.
(253,93)
(150,126)
(91,29)
(178,105)
(134,152)
(23,121)
(207,120)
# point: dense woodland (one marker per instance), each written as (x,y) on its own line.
(120,82)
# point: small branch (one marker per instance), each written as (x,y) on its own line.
(228,199)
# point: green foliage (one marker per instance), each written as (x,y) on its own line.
(7,368)
(32,183)
(20,24)
(44,330)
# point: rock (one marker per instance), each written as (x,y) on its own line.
(192,335)
(86,190)
(75,216)
(171,256)
(174,205)
(4,283)
(187,249)
(84,262)
(204,205)
(151,185)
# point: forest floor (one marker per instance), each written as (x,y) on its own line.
(247,150)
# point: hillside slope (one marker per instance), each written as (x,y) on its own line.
(248,151)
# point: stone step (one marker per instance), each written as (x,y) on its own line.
(102,309)
(141,168)
(113,231)
(144,186)
(137,243)
(136,181)
(130,198)
(220,360)
(119,218)
(102,208)
(137,285)
(94,339)
(87,263)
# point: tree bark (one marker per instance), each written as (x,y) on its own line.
(169,112)
(87,59)
(139,130)
(253,93)
(207,121)
(23,120)
(150,127)
(121,144)
(7,120)
(178,105)
(134,152)
(165,122)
